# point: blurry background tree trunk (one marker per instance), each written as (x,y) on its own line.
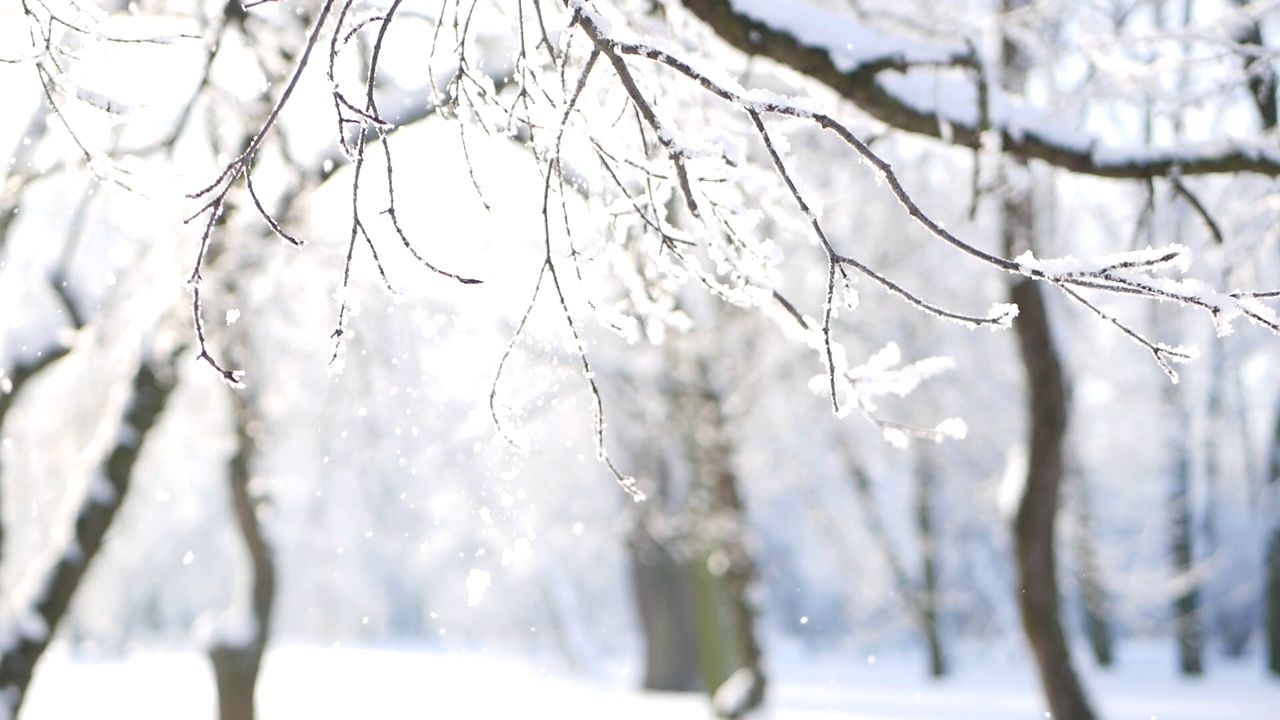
(237,659)
(238,647)
(662,584)
(1271,585)
(691,564)
(926,492)
(1273,601)
(1036,520)
(152,384)
(1186,599)
(921,597)
(691,561)
(692,557)
(13,379)
(1093,593)
(724,569)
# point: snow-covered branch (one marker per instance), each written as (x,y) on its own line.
(834,51)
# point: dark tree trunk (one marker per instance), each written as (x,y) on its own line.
(664,600)
(1273,602)
(1262,81)
(1034,526)
(235,673)
(925,491)
(1037,513)
(1271,590)
(150,391)
(236,663)
(1187,602)
(728,647)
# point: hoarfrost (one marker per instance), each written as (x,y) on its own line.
(1173,257)
(954,428)
(896,437)
(1003,314)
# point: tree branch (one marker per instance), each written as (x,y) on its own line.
(860,83)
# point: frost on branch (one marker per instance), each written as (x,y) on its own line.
(1136,273)
(664,173)
(662,169)
(883,374)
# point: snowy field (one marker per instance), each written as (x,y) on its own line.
(320,683)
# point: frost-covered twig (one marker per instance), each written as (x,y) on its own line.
(1128,274)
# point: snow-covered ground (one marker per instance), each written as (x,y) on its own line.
(318,683)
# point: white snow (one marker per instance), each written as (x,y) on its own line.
(318,683)
(734,694)
(1013,482)
(849,43)
(477,582)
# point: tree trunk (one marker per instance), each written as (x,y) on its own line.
(35,627)
(664,599)
(1093,594)
(236,661)
(920,597)
(1037,512)
(1271,590)
(730,653)
(1034,525)
(925,493)
(11,383)
(1187,600)
(1273,602)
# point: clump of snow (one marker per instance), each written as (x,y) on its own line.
(954,428)
(1013,482)
(1003,315)
(338,362)
(478,581)
(734,695)
(1174,257)
(880,375)
(896,437)
(849,43)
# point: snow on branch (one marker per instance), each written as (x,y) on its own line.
(1134,273)
(866,67)
(1131,273)
(359,122)
(685,172)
